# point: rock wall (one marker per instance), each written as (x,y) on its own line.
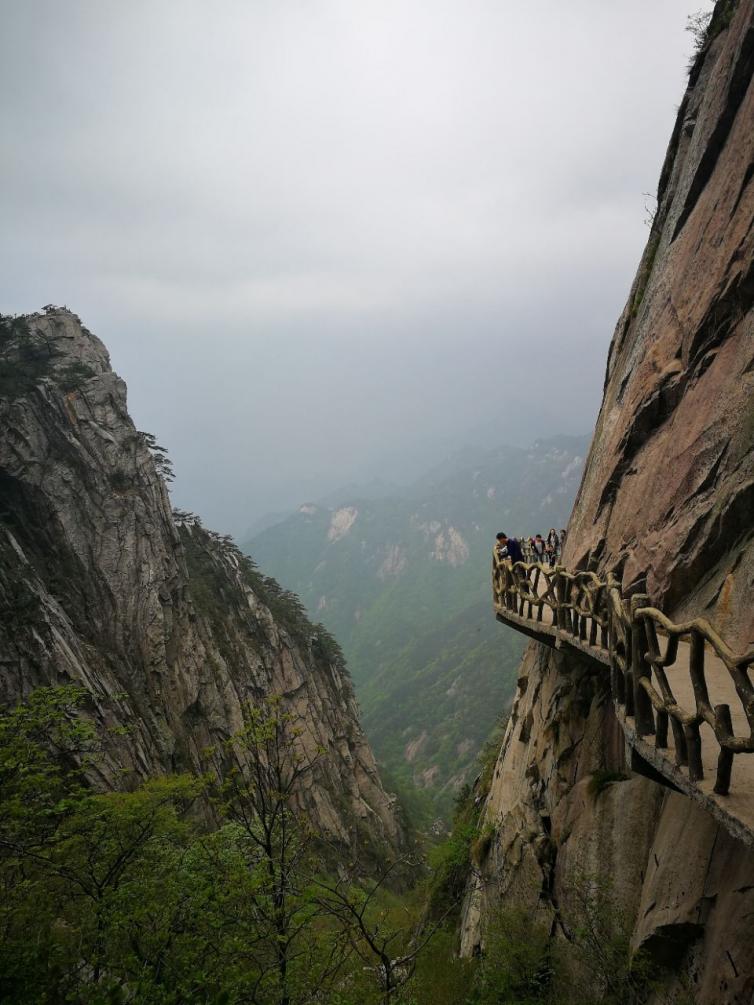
(164,623)
(666,503)
(668,491)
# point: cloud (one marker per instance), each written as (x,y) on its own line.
(294,172)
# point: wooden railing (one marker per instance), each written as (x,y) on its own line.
(640,646)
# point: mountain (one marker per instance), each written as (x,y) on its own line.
(171,631)
(403,583)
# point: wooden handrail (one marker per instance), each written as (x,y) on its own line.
(625,635)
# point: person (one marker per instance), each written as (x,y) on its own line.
(552,540)
(562,541)
(526,549)
(508,547)
(539,548)
(500,549)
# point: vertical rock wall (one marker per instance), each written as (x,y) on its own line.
(667,504)
(668,492)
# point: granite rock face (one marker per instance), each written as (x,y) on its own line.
(164,623)
(667,504)
(667,499)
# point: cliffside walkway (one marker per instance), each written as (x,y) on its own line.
(683,698)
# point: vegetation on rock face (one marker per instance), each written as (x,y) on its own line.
(131,899)
(214,596)
(27,357)
(602,778)
(704,26)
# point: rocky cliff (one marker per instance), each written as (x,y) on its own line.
(666,504)
(171,631)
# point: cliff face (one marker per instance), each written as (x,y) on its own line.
(665,503)
(165,624)
(668,493)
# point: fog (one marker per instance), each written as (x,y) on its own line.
(331,240)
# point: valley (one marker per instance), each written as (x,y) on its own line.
(402,582)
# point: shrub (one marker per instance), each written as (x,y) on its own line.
(602,778)
(518,963)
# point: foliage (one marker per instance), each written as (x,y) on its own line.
(480,846)
(441,978)
(70,857)
(599,965)
(162,462)
(73,374)
(602,778)
(214,561)
(451,861)
(518,963)
(26,357)
(706,25)
(131,899)
(697,25)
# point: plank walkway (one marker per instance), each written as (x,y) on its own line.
(683,699)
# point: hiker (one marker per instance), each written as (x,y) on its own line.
(562,541)
(553,541)
(508,547)
(539,549)
(500,548)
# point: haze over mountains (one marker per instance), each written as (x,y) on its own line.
(304,282)
(402,581)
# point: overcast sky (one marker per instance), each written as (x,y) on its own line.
(326,240)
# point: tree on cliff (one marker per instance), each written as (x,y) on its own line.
(130,899)
(263,768)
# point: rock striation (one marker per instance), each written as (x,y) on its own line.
(167,626)
(666,504)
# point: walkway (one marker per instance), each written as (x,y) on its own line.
(683,698)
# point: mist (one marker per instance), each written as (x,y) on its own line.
(327,242)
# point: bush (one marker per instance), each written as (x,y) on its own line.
(25,357)
(517,964)
(602,778)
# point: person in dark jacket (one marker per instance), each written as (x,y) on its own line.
(539,548)
(511,546)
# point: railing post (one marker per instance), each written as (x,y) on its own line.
(724,727)
(696,669)
(679,742)
(640,669)
(630,693)
(596,597)
(701,699)
(611,644)
(661,736)
(694,751)
(560,594)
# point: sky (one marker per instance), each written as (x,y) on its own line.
(327,241)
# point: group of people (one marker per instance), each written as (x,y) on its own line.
(545,550)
